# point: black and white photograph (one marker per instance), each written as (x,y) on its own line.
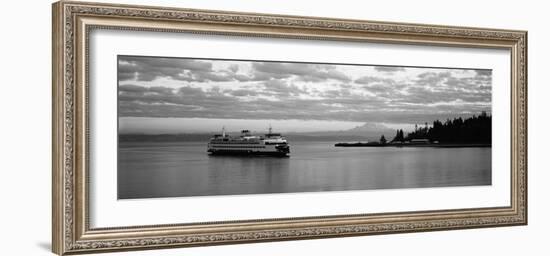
(205,127)
(277,128)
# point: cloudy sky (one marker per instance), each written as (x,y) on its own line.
(164,95)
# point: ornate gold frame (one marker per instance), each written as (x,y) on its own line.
(72,21)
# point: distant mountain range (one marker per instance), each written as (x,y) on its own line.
(367,131)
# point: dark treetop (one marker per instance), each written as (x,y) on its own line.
(476,129)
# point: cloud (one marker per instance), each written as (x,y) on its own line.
(190,70)
(432,79)
(339,105)
(260,90)
(234,68)
(388,69)
(381,87)
(282,88)
(242,92)
(304,71)
(132,88)
(483,72)
(485,76)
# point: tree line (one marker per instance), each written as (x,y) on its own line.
(475,129)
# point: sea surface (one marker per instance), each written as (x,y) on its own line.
(177,169)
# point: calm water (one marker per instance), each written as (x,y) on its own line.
(160,169)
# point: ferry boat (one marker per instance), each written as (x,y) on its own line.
(248,144)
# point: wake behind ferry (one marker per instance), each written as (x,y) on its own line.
(247,144)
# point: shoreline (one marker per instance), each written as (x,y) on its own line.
(434,145)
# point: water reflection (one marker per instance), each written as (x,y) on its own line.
(184,169)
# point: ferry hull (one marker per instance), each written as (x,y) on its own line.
(247,153)
(279,150)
